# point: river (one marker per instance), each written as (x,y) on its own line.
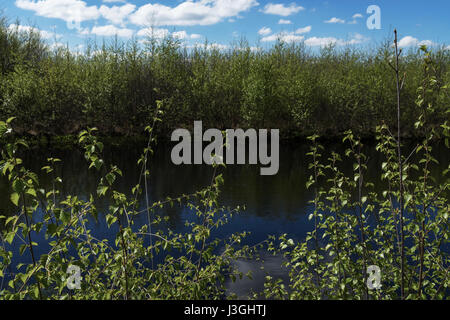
(274,204)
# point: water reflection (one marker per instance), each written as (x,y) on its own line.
(274,204)
(280,199)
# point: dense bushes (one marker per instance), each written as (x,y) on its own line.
(288,86)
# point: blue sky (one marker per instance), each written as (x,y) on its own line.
(261,22)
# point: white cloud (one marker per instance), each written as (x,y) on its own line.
(447,48)
(27,29)
(284,37)
(335,20)
(427,43)
(409,41)
(303,30)
(84,31)
(195,36)
(57,45)
(281,9)
(111,30)
(357,39)
(320,42)
(282,21)
(67,10)
(211,46)
(78,50)
(117,14)
(186,13)
(264,31)
(180,35)
(355,17)
(189,13)
(326,41)
(183,35)
(157,33)
(255,49)
(218,46)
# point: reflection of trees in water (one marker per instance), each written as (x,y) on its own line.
(283,196)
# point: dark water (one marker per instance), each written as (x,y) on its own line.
(274,204)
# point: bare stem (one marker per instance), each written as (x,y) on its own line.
(400,168)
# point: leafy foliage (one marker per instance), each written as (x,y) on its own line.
(111,86)
(402,230)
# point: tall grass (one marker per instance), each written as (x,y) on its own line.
(288,86)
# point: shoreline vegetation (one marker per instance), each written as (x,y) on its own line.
(364,244)
(115,86)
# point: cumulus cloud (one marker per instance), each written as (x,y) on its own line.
(180,35)
(67,10)
(189,13)
(283,21)
(111,30)
(160,33)
(335,20)
(218,46)
(284,37)
(117,14)
(409,41)
(264,31)
(320,42)
(281,9)
(153,32)
(195,36)
(183,35)
(427,43)
(27,29)
(186,13)
(355,17)
(326,41)
(210,46)
(303,30)
(357,39)
(57,45)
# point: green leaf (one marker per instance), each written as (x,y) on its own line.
(110,177)
(101,190)
(408,198)
(10,237)
(15,199)
(31,192)
(3,128)
(51,228)
(18,186)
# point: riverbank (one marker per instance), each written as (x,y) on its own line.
(116,86)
